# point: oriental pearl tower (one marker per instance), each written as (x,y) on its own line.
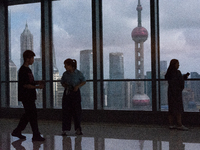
(139,35)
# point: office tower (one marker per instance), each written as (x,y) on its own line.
(13,85)
(58,91)
(195,86)
(129,85)
(116,89)
(26,41)
(163,84)
(163,67)
(86,67)
(37,68)
(139,35)
(38,76)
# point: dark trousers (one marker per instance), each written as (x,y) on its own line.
(30,115)
(71,108)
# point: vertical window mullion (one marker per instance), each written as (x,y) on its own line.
(4,55)
(47,59)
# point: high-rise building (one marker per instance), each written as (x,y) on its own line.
(26,42)
(139,35)
(13,85)
(163,84)
(58,91)
(195,86)
(116,89)
(86,67)
(38,76)
(163,66)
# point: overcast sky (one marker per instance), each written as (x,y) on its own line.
(72,30)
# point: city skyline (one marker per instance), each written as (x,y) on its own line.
(72,34)
(121,97)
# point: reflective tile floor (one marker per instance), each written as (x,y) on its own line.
(101,136)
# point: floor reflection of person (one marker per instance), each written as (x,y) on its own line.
(37,145)
(67,143)
(176,141)
(18,144)
(78,141)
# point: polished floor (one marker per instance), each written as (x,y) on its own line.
(101,136)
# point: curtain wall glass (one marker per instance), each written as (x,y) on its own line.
(179,39)
(24,33)
(127,54)
(72,38)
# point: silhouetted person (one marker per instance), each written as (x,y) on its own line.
(175,88)
(72,79)
(27,95)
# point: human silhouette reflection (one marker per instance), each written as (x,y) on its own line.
(78,141)
(37,145)
(67,143)
(18,144)
(176,141)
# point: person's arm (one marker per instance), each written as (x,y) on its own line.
(29,86)
(79,85)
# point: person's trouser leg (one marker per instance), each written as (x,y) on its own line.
(22,124)
(31,113)
(179,120)
(66,116)
(77,115)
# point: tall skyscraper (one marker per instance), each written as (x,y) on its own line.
(86,67)
(26,41)
(116,89)
(163,84)
(139,35)
(13,85)
(163,67)
(195,86)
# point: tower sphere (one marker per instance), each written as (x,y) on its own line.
(139,34)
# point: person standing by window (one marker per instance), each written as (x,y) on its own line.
(72,79)
(175,88)
(27,95)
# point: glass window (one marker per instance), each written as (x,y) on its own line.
(24,33)
(126,49)
(121,95)
(179,39)
(72,36)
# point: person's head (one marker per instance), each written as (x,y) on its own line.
(70,64)
(28,56)
(174,64)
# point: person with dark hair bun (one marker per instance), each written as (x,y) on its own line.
(72,79)
(175,88)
